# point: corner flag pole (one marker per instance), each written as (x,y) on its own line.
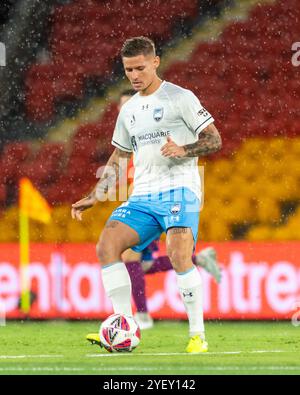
(31,205)
(24,261)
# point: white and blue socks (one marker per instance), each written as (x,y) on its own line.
(117,285)
(190,288)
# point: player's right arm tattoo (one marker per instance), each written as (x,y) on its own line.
(112,171)
(209,142)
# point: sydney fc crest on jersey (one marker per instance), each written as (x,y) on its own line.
(176,208)
(158,114)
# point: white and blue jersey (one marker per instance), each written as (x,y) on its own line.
(167,191)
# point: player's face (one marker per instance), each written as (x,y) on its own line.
(141,70)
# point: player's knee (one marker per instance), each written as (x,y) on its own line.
(178,259)
(100,251)
(103,253)
(130,256)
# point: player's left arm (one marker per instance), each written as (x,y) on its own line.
(209,141)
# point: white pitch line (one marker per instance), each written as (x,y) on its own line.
(41,369)
(262,351)
(159,354)
(29,356)
(142,355)
(147,369)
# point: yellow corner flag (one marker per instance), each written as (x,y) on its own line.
(31,205)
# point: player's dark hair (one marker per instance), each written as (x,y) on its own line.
(138,46)
(128,92)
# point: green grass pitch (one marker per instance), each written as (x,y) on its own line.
(58,347)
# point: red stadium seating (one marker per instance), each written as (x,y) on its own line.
(45,83)
(2,194)
(85,41)
(48,163)
(13,155)
(245,79)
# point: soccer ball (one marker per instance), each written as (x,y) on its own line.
(119,333)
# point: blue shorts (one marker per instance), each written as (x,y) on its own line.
(151,215)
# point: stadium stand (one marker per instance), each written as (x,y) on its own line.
(84,43)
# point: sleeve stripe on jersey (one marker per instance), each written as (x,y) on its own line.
(203,123)
(121,146)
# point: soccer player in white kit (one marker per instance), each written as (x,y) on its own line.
(167,129)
